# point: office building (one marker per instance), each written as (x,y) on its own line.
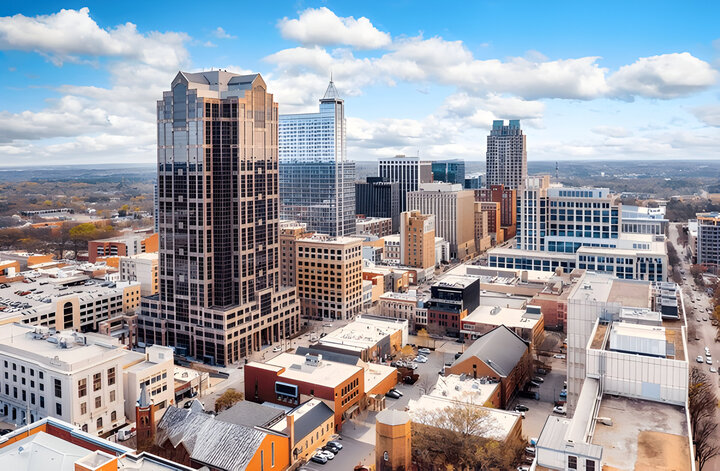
(708,239)
(408,172)
(643,219)
(449,171)
(507,199)
(219,294)
(526,322)
(370,338)
(290,233)
(417,241)
(141,268)
(483,239)
(379,227)
(329,276)
(378,197)
(506,157)
(125,245)
(453,208)
(475,181)
(317,183)
(400,306)
(451,300)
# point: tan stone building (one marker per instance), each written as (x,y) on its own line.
(417,240)
(483,240)
(453,209)
(142,268)
(290,232)
(329,276)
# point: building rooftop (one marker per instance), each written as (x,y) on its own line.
(643,435)
(308,416)
(497,424)
(327,240)
(376,374)
(498,315)
(326,373)
(606,288)
(364,332)
(501,349)
(453,281)
(393,296)
(142,256)
(250,414)
(463,388)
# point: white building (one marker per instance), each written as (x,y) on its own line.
(708,239)
(155,369)
(442,251)
(392,251)
(409,172)
(73,377)
(143,269)
(643,220)
(400,306)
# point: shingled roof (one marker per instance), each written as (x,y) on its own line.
(218,444)
(501,349)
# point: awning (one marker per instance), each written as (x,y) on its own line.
(351,411)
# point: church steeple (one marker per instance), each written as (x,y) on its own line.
(145,420)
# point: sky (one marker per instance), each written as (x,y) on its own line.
(607,80)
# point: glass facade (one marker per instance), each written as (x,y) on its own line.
(449,171)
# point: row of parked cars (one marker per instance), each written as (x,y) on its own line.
(327,452)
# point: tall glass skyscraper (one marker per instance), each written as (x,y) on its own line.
(506,157)
(219,284)
(449,171)
(317,183)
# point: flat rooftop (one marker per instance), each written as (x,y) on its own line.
(500,315)
(464,389)
(330,240)
(364,332)
(453,281)
(376,373)
(497,423)
(326,373)
(606,288)
(644,435)
(391,295)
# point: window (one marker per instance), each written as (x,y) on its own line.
(58,388)
(272,454)
(262,460)
(112,396)
(572,462)
(589,465)
(42,402)
(83,408)
(111,376)
(58,408)
(97,381)
(98,402)
(98,423)
(82,387)
(113,416)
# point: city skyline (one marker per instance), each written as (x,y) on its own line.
(80,88)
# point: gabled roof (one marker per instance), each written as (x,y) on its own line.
(251,414)
(213,442)
(312,419)
(501,349)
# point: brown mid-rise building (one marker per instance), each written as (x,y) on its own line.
(125,245)
(329,276)
(483,239)
(219,279)
(507,198)
(417,240)
(290,232)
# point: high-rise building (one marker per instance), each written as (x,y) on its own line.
(316,180)
(506,157)
(290,233)
(377,197)
(449,171)
(708,239)
(329,276)
(409,172)
(474,181)
(453,208)
(417,240)
(219,296)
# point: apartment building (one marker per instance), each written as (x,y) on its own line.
(131,243)
(155,369)
(329,276)
(507,199)
(417,241)
(219,294)
(453,209)
(379,227)
(400,306)
(408,172)
(708,239)
(141,268)
(451,300)
(483,239)
(506,156)
(392,251)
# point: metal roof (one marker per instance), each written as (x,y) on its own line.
(251,414)
(311,419)
(501,349)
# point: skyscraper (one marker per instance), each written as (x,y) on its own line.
(506,157)
(219,295)
(449,171)
(409,172)
(317,183)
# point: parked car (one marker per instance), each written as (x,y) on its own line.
(563,393)
(521,408)
(336,444)
(392,394)
(700,359)
(327,325)
(523,468)
(538,379)
(420,359)
(424,351)
(533,441)
(530,450)
(535,384)
(331,449)
(277,349)
(708,360)
(396,391)
(559,356)
(319,458)
(713,369)
(559,410)
(328,454)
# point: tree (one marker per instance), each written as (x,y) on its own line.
(228,399)
(82,234)
(702,403)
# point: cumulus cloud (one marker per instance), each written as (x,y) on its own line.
(320,26)
(709,115)
(665,76)
(220,33)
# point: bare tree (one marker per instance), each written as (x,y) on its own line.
(702,403)
(706,447)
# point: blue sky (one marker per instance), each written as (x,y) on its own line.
(623,80)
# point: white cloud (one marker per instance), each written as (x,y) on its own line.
(709,115)
(665,76)
(611,131)
(220,33)
(323,27)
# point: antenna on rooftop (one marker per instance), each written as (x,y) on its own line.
(557,173)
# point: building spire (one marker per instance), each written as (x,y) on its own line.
(331,94)
(143,400)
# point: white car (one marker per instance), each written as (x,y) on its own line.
(699,359)
(425,351)
(708,360)
(559,410)
(327,454)
(713,369)
(277,349)
(559,356)
(420,359)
